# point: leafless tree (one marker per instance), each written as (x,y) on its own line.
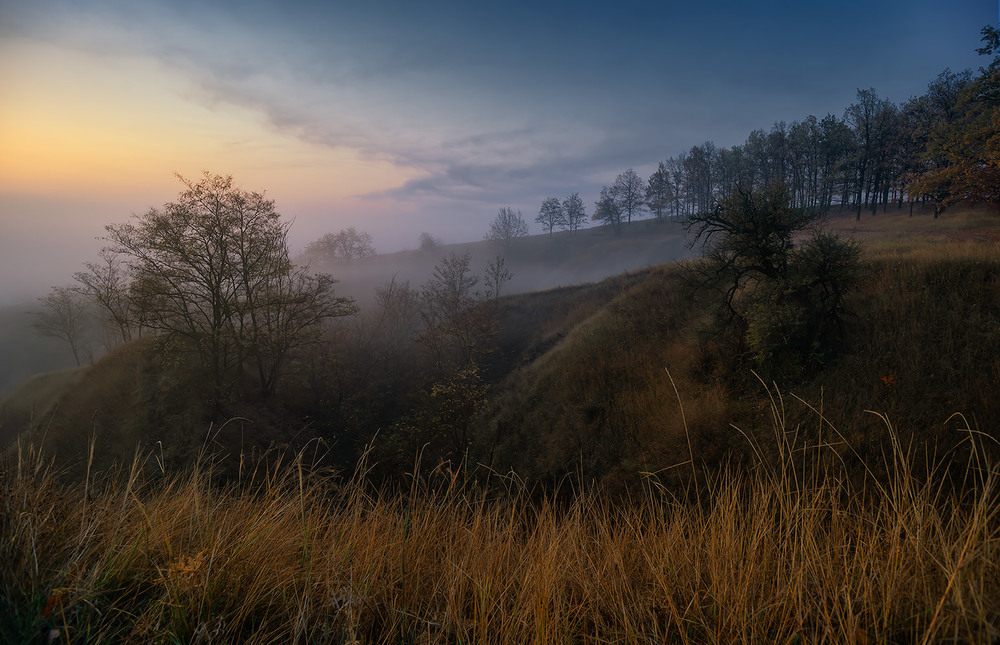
(507,226)
(213,267)
(575,213)
(496,276)
(64,315)
(630,193)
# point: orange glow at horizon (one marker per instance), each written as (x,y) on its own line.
(83,124)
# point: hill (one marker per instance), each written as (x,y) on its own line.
(752,511)
(590,380)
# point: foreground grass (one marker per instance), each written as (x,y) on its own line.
(772,555)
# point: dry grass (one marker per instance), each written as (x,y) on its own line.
(762,556)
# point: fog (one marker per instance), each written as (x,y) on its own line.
(536,263)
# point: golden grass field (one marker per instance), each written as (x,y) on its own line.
(289,555)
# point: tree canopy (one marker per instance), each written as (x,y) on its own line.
(213,268)
(507,226)
(962,160)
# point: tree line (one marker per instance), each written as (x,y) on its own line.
(942,146)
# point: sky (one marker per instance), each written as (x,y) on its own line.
(401,117)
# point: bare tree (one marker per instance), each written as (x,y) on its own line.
(496,277)
(429,243)
(456,327)
(107,284)
(551,215)
(506,227)
(869,119)
(630,193)
(64,315)
(658,192)
(575,212)
(213,267)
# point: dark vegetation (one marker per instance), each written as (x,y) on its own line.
(792,438)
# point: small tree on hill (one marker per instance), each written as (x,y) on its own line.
(551,215)
(786,302)
(507,226)
(607,209)
(575,213)
(630,194)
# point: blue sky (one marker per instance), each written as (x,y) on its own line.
(403,117)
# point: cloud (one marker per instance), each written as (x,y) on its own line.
(487,100)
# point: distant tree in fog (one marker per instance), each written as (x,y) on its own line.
(658,192)
(348,244)
(551,215)
(107,284)
(495,277)
(64,315)
(574,212)
(506,227)
(395,321)
(428,242)
(607,209)
(630,193)
(449,307)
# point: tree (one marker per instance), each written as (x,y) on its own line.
(213,268)
(658,191)
(963,154)
(575,212)
(550,215)
(506,227)
(344,246)
(496,276)
(64,315)
(607,209)
(699,180)
(456,327)
(630,193)
(429,243)
(106,283)
(871,119)
(785,302)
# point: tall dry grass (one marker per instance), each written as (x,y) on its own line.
(774,554)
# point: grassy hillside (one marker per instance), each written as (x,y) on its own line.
(923,345)
(144,397)
(590,380)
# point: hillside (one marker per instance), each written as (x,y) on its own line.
(537,262)
(846,503)
(590,380)
(922,346)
